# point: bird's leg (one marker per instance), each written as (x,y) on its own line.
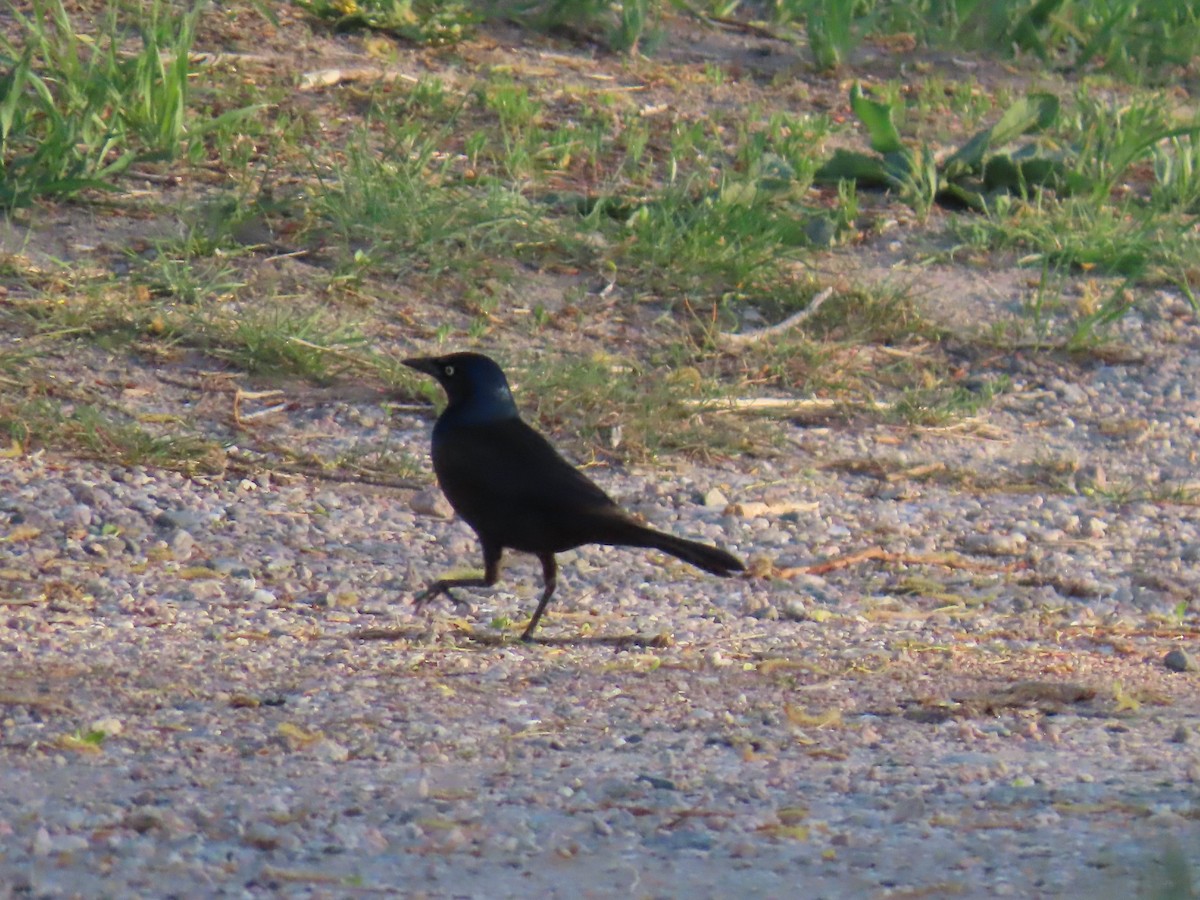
(491,574)
(549,582)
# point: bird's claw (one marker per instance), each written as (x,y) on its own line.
(437,589)
(422,599)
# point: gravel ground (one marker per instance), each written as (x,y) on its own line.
(216,687)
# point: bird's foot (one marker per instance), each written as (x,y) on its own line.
(437,589)
(434,590)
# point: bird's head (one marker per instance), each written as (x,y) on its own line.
(471,381)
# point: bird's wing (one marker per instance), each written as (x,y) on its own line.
(507,462)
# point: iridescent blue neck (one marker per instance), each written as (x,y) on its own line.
(487,403)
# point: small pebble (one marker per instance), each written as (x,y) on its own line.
(262,836)
(181,543)
(331,751)
(431,502)
(1178,660)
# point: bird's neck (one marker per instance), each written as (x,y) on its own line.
(490,405)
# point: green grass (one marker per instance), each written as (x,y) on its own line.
(1127,38)
(501,205)
(398,202)
(314,345)
(106,434)
(76,111)
(400,208)
(188,279)
(1177,175)
(703,243)
(1108,138)
(1136,41)
(1125,239)
(944,401)
(279,338)
(422,21)
(632,409)
(626,27)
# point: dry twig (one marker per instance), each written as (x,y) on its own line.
(771,331)
(789,405)
(878,553)
(322,78)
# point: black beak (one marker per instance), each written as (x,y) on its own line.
(426,364)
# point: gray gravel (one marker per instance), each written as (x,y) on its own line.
(216,687)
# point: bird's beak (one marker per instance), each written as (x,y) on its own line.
(426,364)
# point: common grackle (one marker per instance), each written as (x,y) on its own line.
(514,489)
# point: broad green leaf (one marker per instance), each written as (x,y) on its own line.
(877,119)
(1014,175)
(1119,14)
(901,165)
(1032,113)
(1000,173)
(1025,33)
(849,165)
(775,173)
(1053,173)
(739,193)
(952,195)
(12,86)
(1036,112)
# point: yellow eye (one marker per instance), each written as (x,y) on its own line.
(449,370)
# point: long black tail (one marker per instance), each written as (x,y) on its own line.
(702,556)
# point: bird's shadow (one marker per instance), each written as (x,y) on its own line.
(420,634)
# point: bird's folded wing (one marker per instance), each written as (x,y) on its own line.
(508,462)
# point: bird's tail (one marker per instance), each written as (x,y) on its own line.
(702,556)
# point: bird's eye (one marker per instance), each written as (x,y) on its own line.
(449,370)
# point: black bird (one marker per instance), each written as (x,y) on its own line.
(514,489)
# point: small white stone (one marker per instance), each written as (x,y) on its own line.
(110,725)
(331,751)
(431,502)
